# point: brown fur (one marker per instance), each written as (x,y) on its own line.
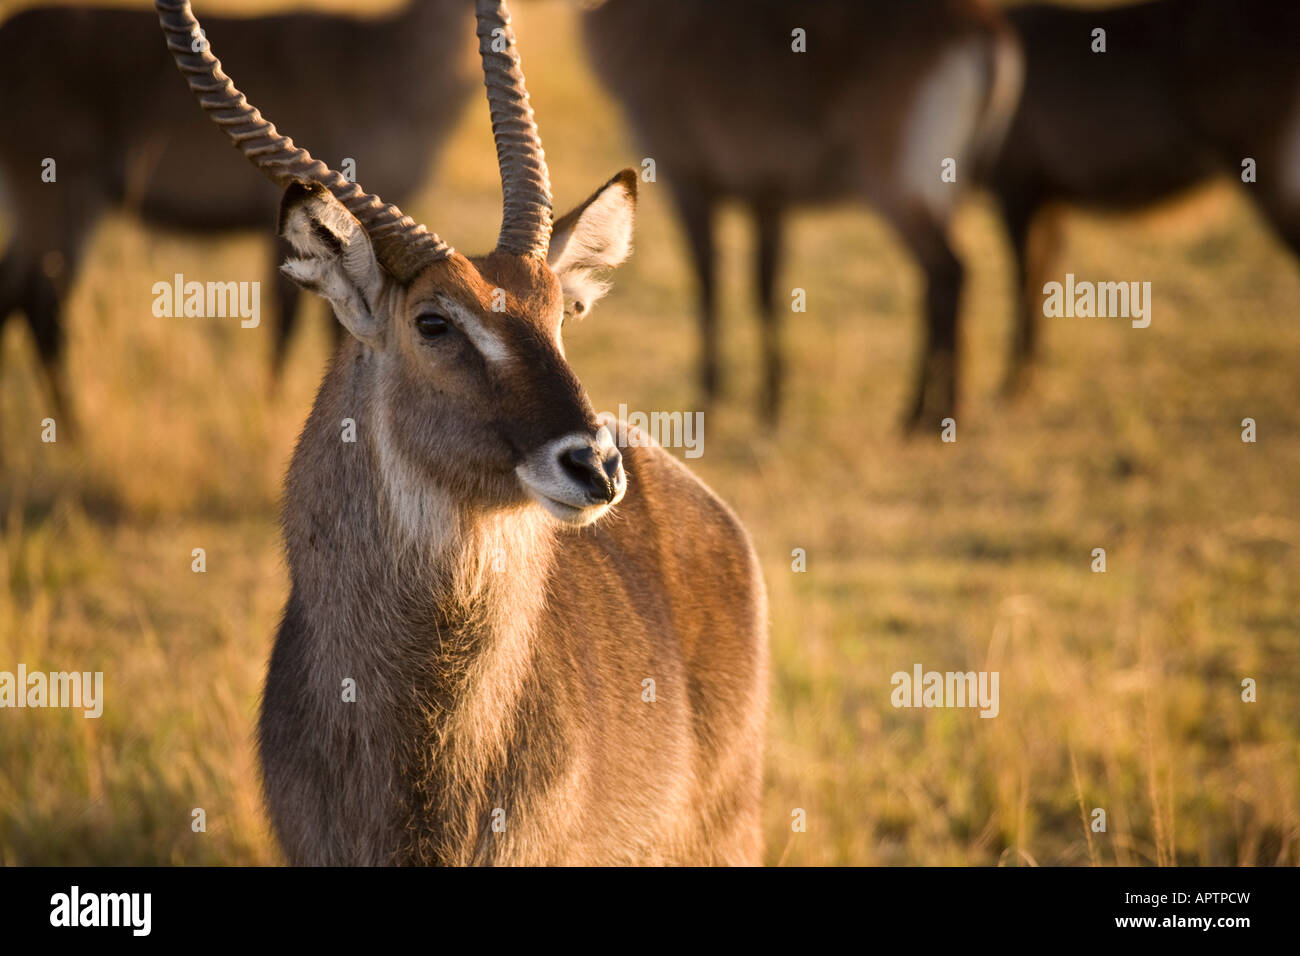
(102,91)
(1186,90)
(518,689)
(728,111)
(472,556)
(499,655)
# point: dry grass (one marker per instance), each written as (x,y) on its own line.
(1119,691)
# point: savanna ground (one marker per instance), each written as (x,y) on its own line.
(1119,690)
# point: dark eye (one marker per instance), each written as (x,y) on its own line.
(431,325)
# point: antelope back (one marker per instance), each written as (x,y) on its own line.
(139,140)
(719,94)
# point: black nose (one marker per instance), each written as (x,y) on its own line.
(593,469)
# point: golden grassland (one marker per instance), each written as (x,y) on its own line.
(1118,690)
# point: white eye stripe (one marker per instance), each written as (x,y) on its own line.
(489,344)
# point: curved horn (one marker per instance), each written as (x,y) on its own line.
(401,246)
(525,182)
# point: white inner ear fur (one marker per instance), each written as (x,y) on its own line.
(346,274)
(599,238)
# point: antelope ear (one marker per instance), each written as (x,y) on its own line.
(338,262)
(595,236)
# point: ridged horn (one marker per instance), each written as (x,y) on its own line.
(525,182)
(402,246)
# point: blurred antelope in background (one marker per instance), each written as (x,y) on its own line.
(886,91)
(93,90)
(1186,90)
(531,683)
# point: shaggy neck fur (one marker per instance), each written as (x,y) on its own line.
(436,626)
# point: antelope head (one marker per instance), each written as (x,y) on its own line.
(467,373)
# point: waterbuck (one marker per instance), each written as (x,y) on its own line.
(506,641)
(1185,90)
(92,90)
(774,103)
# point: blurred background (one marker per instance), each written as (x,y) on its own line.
(1119,690)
